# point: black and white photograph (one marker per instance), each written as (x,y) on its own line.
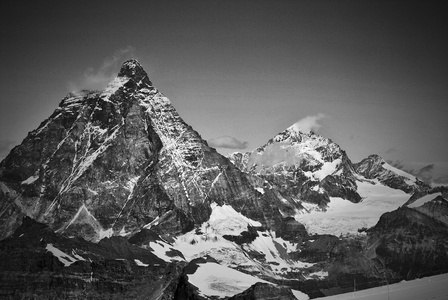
(223,149)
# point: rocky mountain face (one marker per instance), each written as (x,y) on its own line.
(303,166)
(112,162)
(114,196)
(37,263)
(374,167)
(412,240)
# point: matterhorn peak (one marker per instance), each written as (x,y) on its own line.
(132,69)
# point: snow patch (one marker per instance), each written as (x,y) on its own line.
(327,168)
(424,199)
(260,190)
(213,279)
(113,86)
(160,248)
(152,223)
(105,233)
(226,220)
(63,257)
(30,179)
(140,264)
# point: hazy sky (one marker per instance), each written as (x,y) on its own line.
(370,75)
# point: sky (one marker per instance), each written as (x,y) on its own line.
(370,75)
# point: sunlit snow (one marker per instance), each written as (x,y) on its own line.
(140,263)
(345,217)
(226,220)
(213,279)
(30,179)
(63,257)
(424,199)
(410,179)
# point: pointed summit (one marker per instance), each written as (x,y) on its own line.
(133,69)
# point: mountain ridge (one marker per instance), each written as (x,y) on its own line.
(119,171)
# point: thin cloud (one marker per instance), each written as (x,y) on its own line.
(391,150)
(399,165)
(309,123)
(97,79)
(442,180)
(227,142)
(426,174)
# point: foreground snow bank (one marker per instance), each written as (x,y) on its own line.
(434,287)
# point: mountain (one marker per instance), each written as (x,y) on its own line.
(333,195)
(412,240)
(114,162)
(111,162)
(115,196)
(302,166)
(374,167)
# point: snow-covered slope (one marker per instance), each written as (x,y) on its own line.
(374,167)
(433,287)
(333,195)
(344,217)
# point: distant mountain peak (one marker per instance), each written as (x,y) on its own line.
(132,69)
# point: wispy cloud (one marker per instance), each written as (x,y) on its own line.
(399,165)
(5,147)
(391,150)
(425,173)
(98,78)
(309,123)
(227,142)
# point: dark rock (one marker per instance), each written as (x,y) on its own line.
(108,270)
(411,243)
(265,291)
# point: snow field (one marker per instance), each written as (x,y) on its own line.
(344,217)
(424,199)
(213,279)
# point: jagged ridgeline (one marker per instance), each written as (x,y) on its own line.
(111,162)
(114,196)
